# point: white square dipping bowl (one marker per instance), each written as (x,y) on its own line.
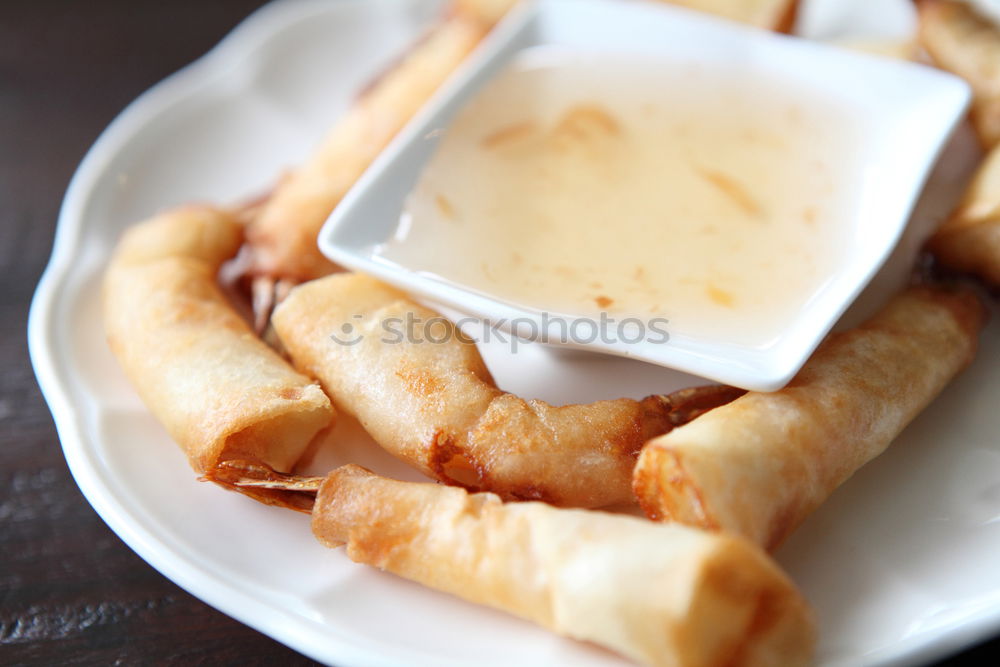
(907,113)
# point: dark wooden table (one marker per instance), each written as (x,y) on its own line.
(70,590)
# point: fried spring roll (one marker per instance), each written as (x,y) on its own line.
(283,236)
(421,389)
(219,390)
(897,49)
(659,594)
(759,465)
(969,241)
(769,14)
(488,12)
(966,43)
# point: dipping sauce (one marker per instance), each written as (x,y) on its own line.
(579,184)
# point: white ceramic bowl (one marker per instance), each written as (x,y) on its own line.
(904,112)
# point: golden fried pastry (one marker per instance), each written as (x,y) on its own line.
(660,594)
(219,391)
(759,465)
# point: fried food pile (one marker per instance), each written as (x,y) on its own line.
(722,475)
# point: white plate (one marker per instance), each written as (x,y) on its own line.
(901,564)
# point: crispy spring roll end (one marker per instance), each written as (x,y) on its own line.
(281,439)
(969,240)
(759,465)
(346,500)
(970,249)
(219,390)
(660,594)
(665,491)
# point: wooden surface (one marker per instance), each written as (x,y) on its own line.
(70,591)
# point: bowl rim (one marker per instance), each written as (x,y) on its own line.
(763,368)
